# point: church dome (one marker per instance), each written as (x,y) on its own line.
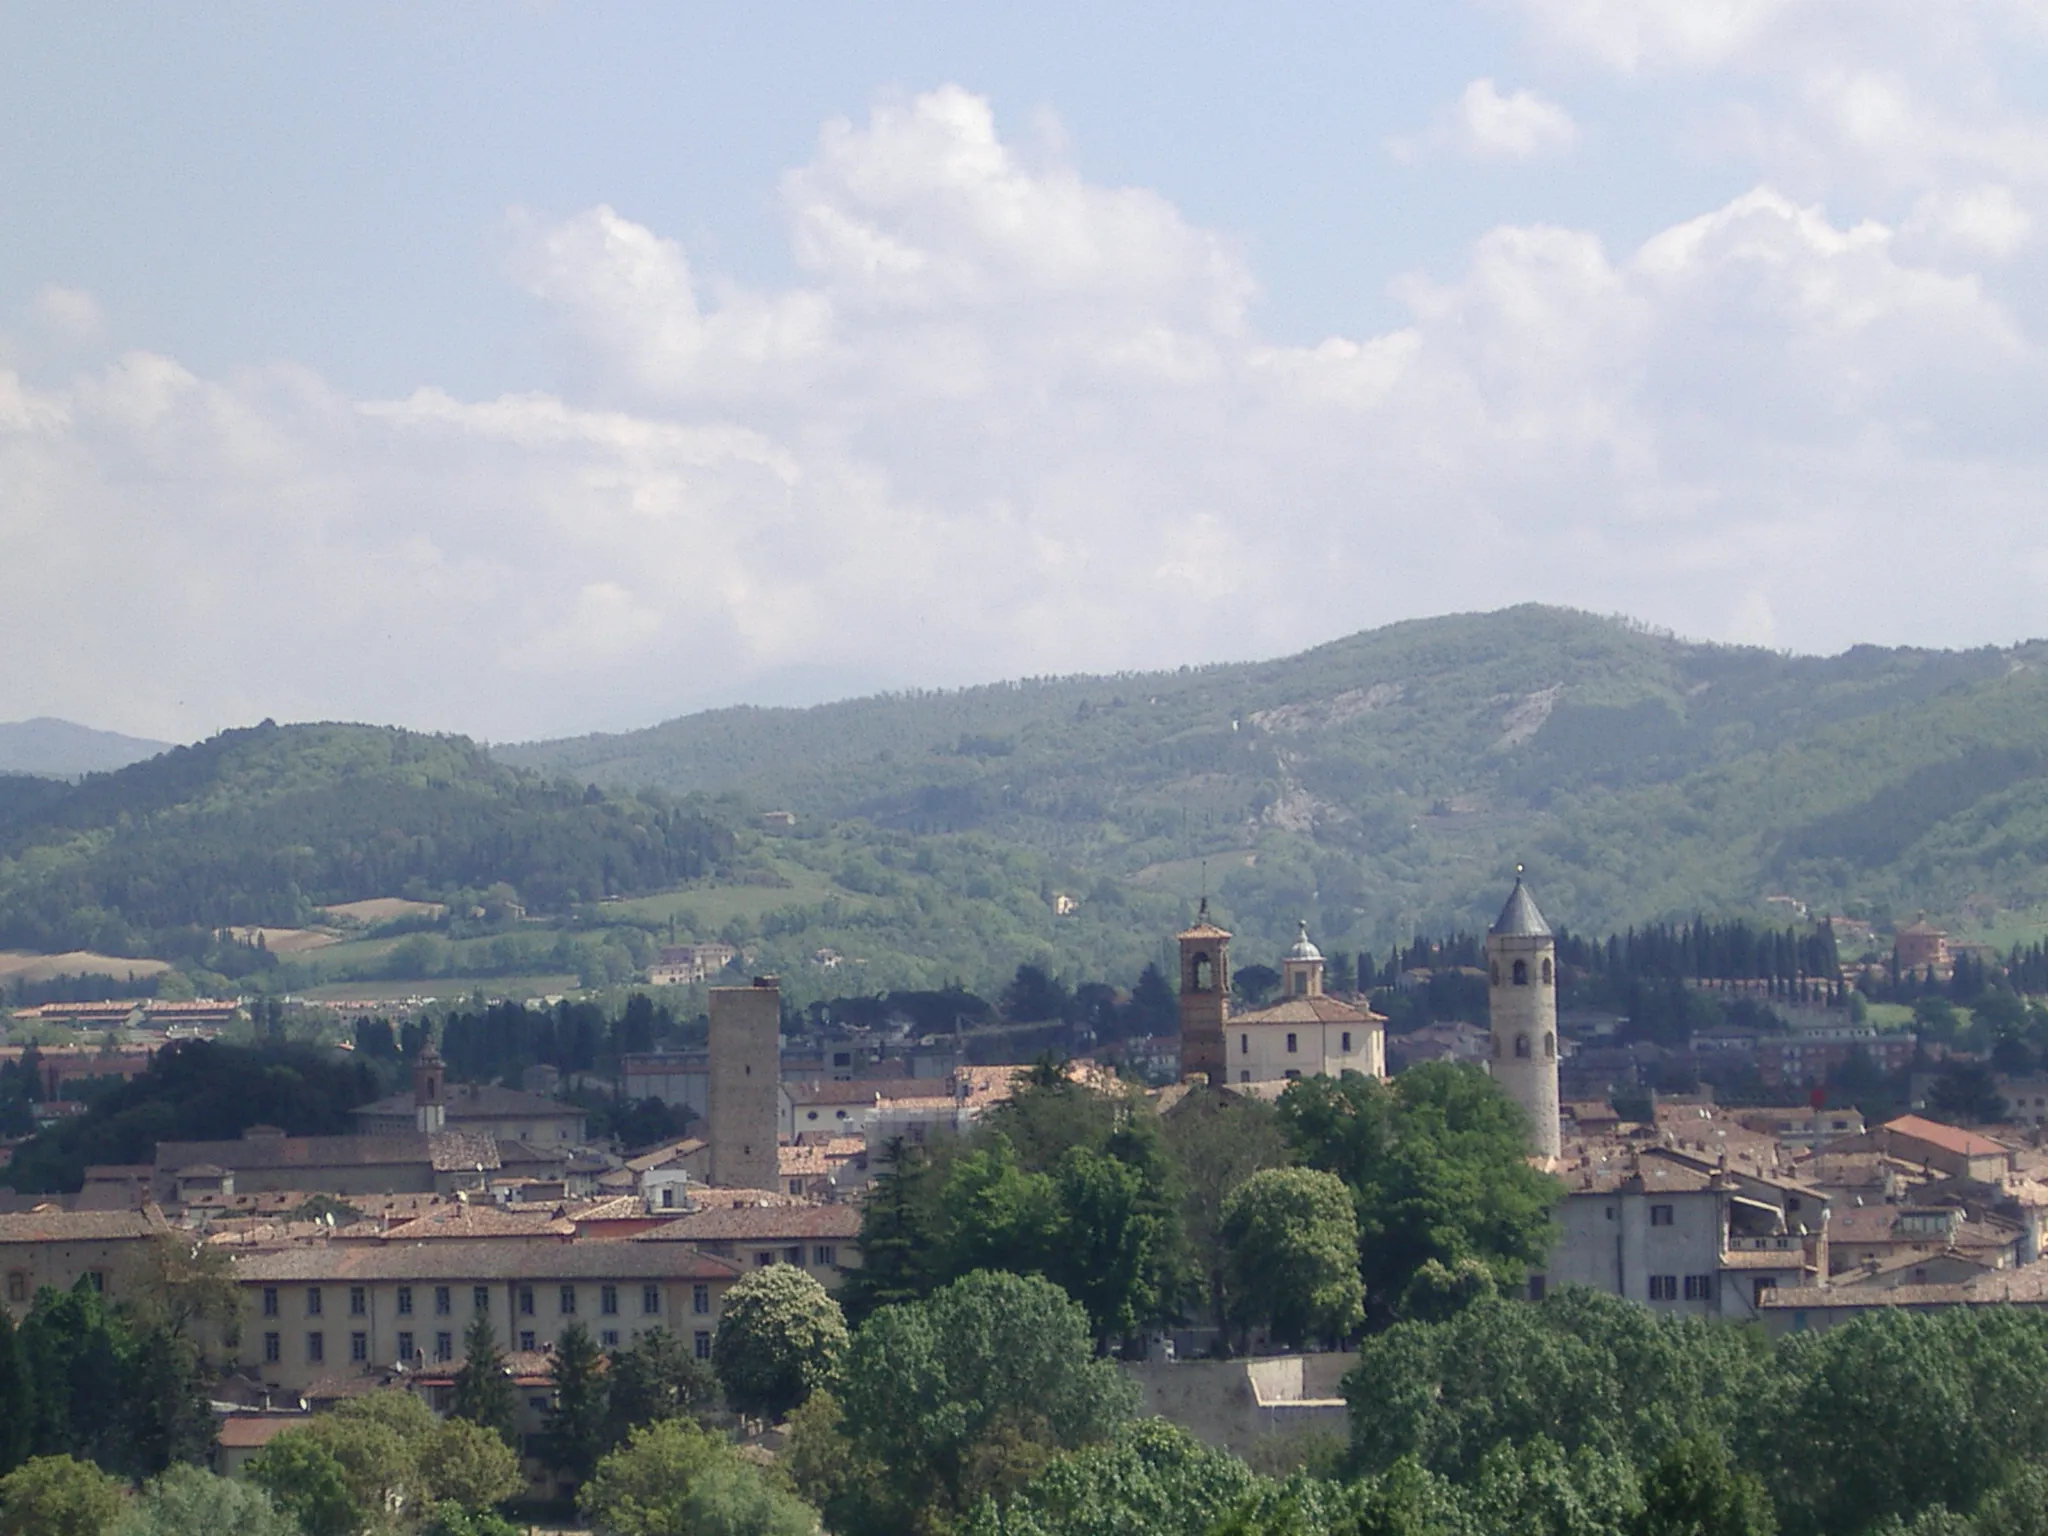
(1303,949)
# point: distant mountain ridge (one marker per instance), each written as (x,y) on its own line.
(1389,780)
(61,749)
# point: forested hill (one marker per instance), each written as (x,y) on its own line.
(1392,778)
(262,826)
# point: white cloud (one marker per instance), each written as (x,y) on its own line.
(1484,124)
(71,315)
(1010,421)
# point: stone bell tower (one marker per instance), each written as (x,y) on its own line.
(429,1107)
(1521,994)
(1204,998)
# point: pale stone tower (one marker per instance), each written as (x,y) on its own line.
(1521,964)
(1204,998)
(429,1108)
(745,1074)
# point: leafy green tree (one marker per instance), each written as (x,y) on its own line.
(1216,1141)
(78,1358)
(1436,1161)
(468,1465)
(166,1419)
(1290,1237)
(454,1520)
(304,1480)
(1153,1479)
(17,1398)
(968,1393)
(484,1393)
(779,1337)
(1110,1250)
(1440,1292)
(376,1441)
(574,1430)
(1696,1490)
(676,1479)
(657,1378)
(1537,1489)
(190,1501)
(57,1496)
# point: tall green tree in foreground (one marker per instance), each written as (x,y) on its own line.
(484,1393)
(57,1496)
(676,1479)
(779,1337)
(189,1501)
(658,1378)
(574,1432)
(1290,1237)
(1437,1164)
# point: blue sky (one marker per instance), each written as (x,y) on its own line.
(526,369)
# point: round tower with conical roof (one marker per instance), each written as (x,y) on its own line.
(1521,994)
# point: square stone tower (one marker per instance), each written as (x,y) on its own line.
(745,1074)
(1204,998)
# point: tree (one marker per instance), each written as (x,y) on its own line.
(1437,1164)
(968,1392)
(1154,1478)
(166,1418)
(78,1358)
(658,1378)
(897,1236)
(190,1501)
(305,1481)
(574,1428)
(1694,1490)
(1216,1141)
(676,1479)
(57,1496)
(1290,1237)
(484,1393)
(1034,995)
(17,1398)
(468,1465)
(779,1337)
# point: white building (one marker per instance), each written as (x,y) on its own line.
(1307,1033)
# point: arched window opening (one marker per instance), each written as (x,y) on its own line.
(1204,973)
(1521,973)
(1549,1047)
(1522,1046)
(1546,973)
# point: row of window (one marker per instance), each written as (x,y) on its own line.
(1520,974)
(1666,1287)
(480,1300)
(444,1346)
(18,1288)
(1244,1043)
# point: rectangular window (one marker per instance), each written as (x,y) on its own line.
(1537,1285)
(703,1343)
(17,1285)
(1699,1287)
(1663,1287)
(1290,1044)
(793,1255)
(609,1339)
(1346,1038)
(700,1299)
(270,1301)
(97,1279)
(358,1301)
(526,1339)
(526,1301)
(444,1346)
(568,1301)
(608,1300)
(359,1347)
(444,1300)
(312,1301)
(273,1348)
(824,1254)
(405,1349)
(316,1347)
(405,1301)
(480,1298)
(1244,1045)
(650,1299)
(1660,1215)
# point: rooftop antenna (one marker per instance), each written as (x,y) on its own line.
(1203,911)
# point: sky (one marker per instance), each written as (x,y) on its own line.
(527,369)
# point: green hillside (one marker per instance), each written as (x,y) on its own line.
(1391,780)
(263,826)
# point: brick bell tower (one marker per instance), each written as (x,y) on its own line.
(1204,998)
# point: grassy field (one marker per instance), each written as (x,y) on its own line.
(440,988)
(709,907)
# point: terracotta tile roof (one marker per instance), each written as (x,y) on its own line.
(668,1152)
(463,1219)
(473,1101)
(51,1224)
(1307,1010)
(865,1091)
(1947,1137)
(1764,1258)
(447,1151)
(252,1431)
(481,1259)
(753,1223)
